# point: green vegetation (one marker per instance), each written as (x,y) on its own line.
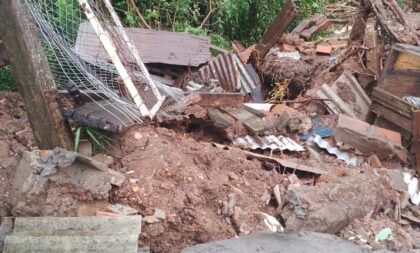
(243,20)
(6,79)
(99,139)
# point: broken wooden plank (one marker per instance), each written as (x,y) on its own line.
(231,99)
(391,101)
(282,162)
(372,41)
(276,30)
(302,26)
(321,22)
(408,61)
(176,48)
(416,137)
(391,116)
(251,121)
(33,76)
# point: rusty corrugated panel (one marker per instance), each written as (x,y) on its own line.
(231,73)
(268,142)
(175,48)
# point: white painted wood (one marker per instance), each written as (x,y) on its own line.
(112,52)
(135,53)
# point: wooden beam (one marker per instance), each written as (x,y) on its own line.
(276,30)
(33,76)
(230,99)
(3,57)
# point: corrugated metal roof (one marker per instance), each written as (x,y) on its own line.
(349,160)
(231,73)
(268,142)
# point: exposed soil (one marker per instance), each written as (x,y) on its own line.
(276,70)
(15,138)
(207,193)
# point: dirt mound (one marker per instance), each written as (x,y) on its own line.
(276,70)
(15,138)
(208,194)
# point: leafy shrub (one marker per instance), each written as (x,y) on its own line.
(6,79)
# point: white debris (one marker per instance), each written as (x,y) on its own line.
(292,55)
(272,223)
(413,188)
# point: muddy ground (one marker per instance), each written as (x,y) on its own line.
(15,138)
(210,194)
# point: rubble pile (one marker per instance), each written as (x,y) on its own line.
(300,132)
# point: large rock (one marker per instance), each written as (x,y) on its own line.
(57,185)
(329,207)
(304,242)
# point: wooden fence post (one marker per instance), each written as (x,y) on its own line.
(33,76)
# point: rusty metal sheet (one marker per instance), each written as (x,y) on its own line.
(268,142)
(176,48)
(231,73)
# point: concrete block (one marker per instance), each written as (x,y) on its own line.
(71,244)
(74,235)
(37,226)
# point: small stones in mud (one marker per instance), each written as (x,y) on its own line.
(232,176)
(158,216)
(227,206)
(150,219)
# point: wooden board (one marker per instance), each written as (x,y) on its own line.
(33,76)
(282,162)
(231,99)
(175,48)
(276,29)
(251,121)
(407,61)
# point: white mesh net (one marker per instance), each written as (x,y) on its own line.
(76,54)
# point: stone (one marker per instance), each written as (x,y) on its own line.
(374,162)
(104,158)
(62,191)
(85,148)
(279,242)
(160,214)
(329,207)
(232,176)
(150,219)
(135,188)
(121,209)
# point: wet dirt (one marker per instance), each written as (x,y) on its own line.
(207,193)
(15,138)
(276,70)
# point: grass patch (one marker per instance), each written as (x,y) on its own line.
(6,79)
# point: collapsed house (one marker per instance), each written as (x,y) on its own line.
(289,134)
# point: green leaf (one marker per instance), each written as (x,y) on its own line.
(94,139)
(77,139)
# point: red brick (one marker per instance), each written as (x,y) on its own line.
(288,48)
(321,49)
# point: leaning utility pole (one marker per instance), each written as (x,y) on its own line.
(33,75)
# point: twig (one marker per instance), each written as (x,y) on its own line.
(140,15)
(208,16)
(351,53)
